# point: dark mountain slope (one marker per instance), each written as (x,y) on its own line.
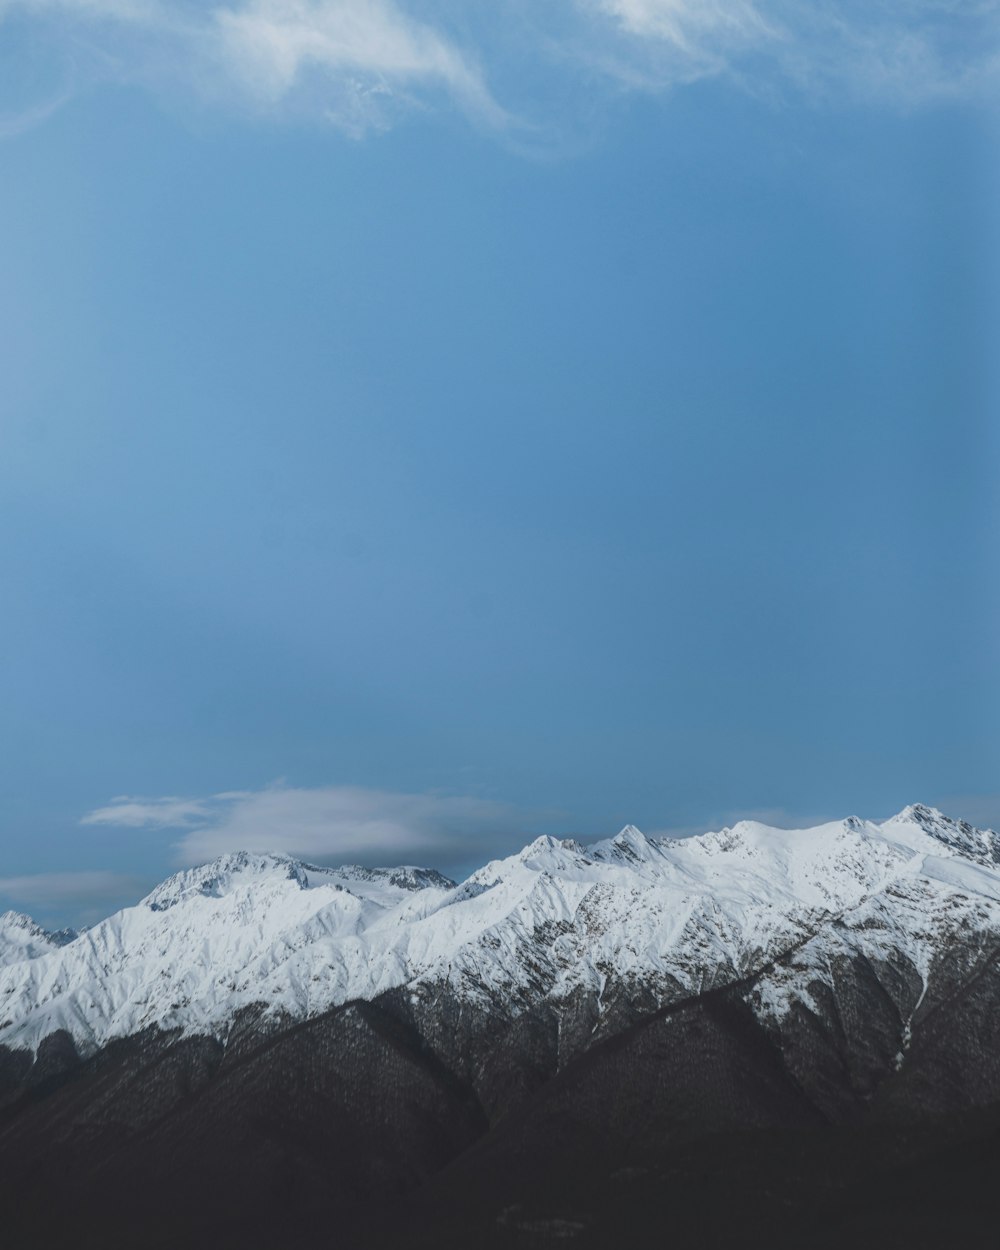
(162,1141)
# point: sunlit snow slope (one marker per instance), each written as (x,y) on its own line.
(657,917)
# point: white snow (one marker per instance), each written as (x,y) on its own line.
(673,915)
(21,938)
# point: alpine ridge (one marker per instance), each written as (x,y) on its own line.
(630,916)
(634,1007)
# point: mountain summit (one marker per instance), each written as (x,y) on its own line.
(774,1034)
(557,923)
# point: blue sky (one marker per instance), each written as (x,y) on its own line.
(427,425)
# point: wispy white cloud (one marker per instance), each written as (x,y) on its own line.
(901,51)
(325,823)
(19,121)
(354,63)
(165,813)
(366,56)
(704,33)
(361,64)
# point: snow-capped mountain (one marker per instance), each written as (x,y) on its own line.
(21,938)
(758,1029)
(625,925)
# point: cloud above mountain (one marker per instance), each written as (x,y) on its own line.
(51,889)
(361,65)
(326,823)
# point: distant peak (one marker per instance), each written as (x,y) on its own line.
(246,868)
(18,920)
(21,933)
(541,844)
(631,842)
(629,833)
(629,846)
(246,861)
(980,845)
(921,814)
(405,877)
(930,819)
(540,849)
(216,878)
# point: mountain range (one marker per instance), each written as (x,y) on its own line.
(758,1033)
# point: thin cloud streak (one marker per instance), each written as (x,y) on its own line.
(49,889)
(166,813)
(361,65)
(903,52)
(357,64)
(705,32)
(327,823)
(369,54)
(18,123)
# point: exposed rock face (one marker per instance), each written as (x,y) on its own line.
(757,1021)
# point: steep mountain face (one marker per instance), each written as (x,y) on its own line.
(385,1036)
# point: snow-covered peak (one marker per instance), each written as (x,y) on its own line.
(545,855)
(240,868)
(920,814)
(553,920)
(21,938)
(247,870)
(17,921)
(629,846)
(542,848)
(982,846)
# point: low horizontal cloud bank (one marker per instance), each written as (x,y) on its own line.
(53,889)
(362,64)
(166,813)
(326,823)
